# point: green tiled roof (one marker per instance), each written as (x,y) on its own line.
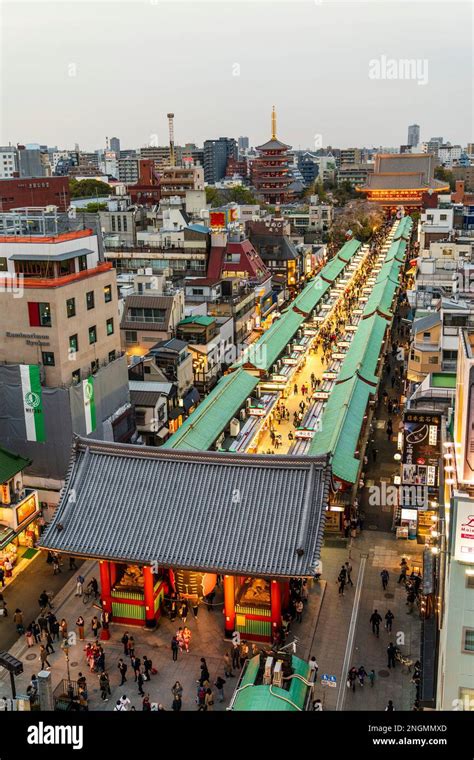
(349,249)
(381,298)
(261,698)
(310,295)
(197,320)
(333,269)
(11,464)
(207,422)
(264,352)
(364,350)
(340,427)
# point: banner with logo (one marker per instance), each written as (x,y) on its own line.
(32,402)
(464,535)
(89,403)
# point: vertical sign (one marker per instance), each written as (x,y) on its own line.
(32,402)
(89,404)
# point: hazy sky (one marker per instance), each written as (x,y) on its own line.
(78,70)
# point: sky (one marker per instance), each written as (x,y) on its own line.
(76,71)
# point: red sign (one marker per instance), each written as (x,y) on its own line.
(217,219)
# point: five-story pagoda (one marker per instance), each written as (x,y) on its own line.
(270,175)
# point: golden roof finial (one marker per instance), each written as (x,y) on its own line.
(274,124)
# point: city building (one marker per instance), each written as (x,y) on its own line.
(449,154)
(19,508)
(61,368)
(216,155)
(174,361)
(114,144)
(308,166)
(37,191)
(150,402)
(270,170)
(128,169)
(243,144)
(354,174)
(413,138)
(149,318)
(210,342)
(179,180)
(350,156)
(8,162)
(403,179)
(271,239)
(30,163)
(160,155)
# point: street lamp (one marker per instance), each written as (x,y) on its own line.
(65,648)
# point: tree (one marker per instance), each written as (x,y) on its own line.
(359,216)
(88,188)
(93,208)
(238,194)
(446,176)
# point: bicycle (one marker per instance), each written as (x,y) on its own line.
(404,661)
(88,595)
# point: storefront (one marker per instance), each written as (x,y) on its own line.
(19,509)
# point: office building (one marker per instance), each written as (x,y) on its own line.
(216,156)
(413,138)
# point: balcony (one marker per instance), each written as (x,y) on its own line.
(58,282)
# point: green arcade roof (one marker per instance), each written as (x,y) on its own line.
(364,351)
(272,698)
(310,296)
(11,464)
(340,427)
(266,350)
(381,299)
(199,319)
(207,422)
(349,250)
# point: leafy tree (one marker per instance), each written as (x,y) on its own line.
(88,188)
(93,208)
(446,176)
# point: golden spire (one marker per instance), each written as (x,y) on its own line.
(274,124)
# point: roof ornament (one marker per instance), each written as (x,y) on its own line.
(274,124)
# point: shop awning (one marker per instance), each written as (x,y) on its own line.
(191,399)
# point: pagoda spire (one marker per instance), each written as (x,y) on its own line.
(274,124)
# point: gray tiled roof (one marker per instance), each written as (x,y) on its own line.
(209,511)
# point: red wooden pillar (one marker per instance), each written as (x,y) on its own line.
(148,588)
(105,586)
(229,604)
(106,595)
(285,594)
(113,574)
(275,597)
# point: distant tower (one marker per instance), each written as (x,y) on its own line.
(115,144)
(171,133)
(413,135)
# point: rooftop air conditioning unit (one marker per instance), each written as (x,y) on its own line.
(278,674)
(140,271)
(234,427)
(242,415)
(148,271)
(267,674)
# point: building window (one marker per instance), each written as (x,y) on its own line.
(113,223)
(112,356)
(76,376)
(90,303)
(110,326)
(468,640)
(92,334)
(82,261)
(71,307)
(124,223)
(107,293)
(39,314)
(427,336)
(94,366)
(469,581)
(3,264)
(73,343)
(433,360)
(131,336)
(47,358)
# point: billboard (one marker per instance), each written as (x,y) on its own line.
(421,449)
(464,533)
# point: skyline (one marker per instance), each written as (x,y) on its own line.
(325,86)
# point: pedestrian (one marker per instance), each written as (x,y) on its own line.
(219,684)
(403,571)
(210,600)
(122,668)
(375,619)
(351,679)
(317,705)
(147,668)
(44,601)
(411,597)
(186,639)
(174,648)
(49,643)
(124,641)
(342,581)
(29,636)
(228,666)
(119,706)
(195,608)
(374,455)
(18,621)
(136,665)
(391,652)
(385,577)
(43,656)
(313,669)
(204,674)
(244,654)
(8,567)
(124,701)
(63,628)
(146,704)
(299,607)
(362,675)
(54,627)
(200,698)
(177,703)
(371,677)
(95,625)
(177,690)
(390,707)
(209,701)
(235,655)
(2,577)
(36,630)
(80,626)
(139,679)
(131,647)
(183,612)
(56,565)
(389,618)
(104,686)
(72,563)
(389,429)
(94,587)
(348,567)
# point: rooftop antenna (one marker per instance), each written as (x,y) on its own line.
(274,124)
(171,133)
